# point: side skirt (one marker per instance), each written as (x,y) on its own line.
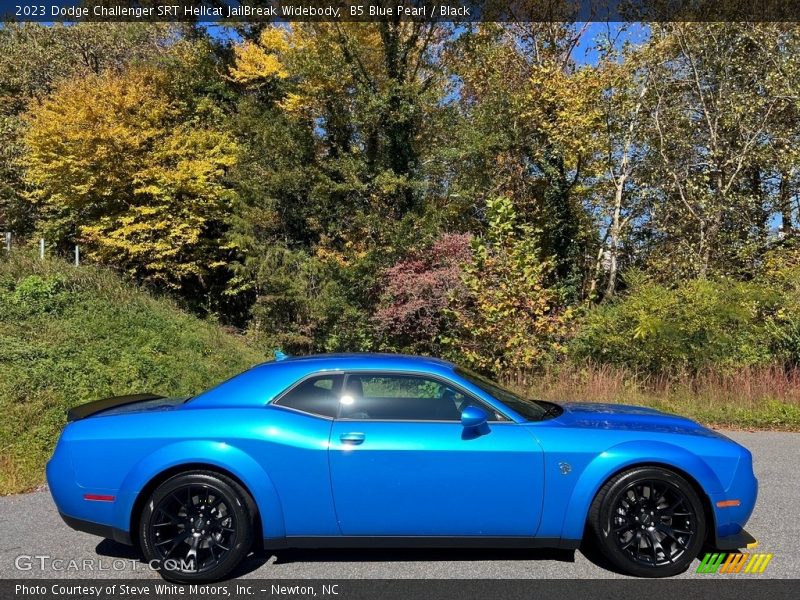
(363,541)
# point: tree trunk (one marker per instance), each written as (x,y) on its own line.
(785,204)
(616,232)
(598,267)
(711,233)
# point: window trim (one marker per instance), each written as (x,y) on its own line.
(433,376)
(337,373)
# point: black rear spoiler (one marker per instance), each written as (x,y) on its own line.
(91,408)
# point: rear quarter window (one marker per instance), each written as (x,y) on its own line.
(316,396)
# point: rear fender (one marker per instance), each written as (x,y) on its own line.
(624,456)
(215,454)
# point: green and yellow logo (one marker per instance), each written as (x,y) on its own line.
(734,562)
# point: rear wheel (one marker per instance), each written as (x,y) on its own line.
(649,522)
(197,527)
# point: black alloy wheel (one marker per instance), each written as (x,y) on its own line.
(649,522)
(197,527)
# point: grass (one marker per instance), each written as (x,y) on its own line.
(70,335)
(750,398)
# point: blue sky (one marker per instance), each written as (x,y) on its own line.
(586,52)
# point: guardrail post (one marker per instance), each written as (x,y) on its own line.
(77,256)
(41,248)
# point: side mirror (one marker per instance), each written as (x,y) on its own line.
(473,417)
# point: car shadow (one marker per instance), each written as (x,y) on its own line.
(112,549)
(254,560)
(259,558)
(595,556)
(296,555)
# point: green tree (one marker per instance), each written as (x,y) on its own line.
(530,119)
(509,318)
(338,122)
(717,90)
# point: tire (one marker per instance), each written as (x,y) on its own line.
(197,526)
(649,522)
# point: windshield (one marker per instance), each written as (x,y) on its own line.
(532,410)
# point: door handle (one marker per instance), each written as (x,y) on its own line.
(353,439)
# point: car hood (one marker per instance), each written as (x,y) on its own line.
(634,418)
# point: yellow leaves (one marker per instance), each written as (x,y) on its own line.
(295,103)
(152,238)
(274,39)
(330,255)
(279,51)
(76,136)
(310,67)
(257,63)
(350,252)
(253,64)
(189,162)
(564,106)
(140,180)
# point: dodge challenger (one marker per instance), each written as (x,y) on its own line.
(372,450)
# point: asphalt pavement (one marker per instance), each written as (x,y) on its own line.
(35,543)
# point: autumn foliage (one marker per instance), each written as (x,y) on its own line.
(493,194)
(120,165)
(417,293)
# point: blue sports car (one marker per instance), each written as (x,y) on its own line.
(386,451)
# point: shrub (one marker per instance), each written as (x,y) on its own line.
(308,303)
(695,325)
(416,293)
(508,317)
(36,294)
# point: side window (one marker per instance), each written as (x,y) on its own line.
(317,395)
(404,398)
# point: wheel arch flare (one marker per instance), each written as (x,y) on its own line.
(628,455)
(199,455)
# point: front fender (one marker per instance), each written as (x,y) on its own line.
(625,455)
(216,454)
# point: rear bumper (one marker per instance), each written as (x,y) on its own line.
(70,499)
(98,529)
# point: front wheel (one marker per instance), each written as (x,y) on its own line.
(649,522)
(196,527)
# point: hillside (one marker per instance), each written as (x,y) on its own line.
(70,335)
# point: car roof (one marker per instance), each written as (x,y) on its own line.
(351,360)
(263,382)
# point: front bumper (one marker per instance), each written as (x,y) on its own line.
(729,532)
(735,541)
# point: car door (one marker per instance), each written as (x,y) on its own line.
(402,464)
